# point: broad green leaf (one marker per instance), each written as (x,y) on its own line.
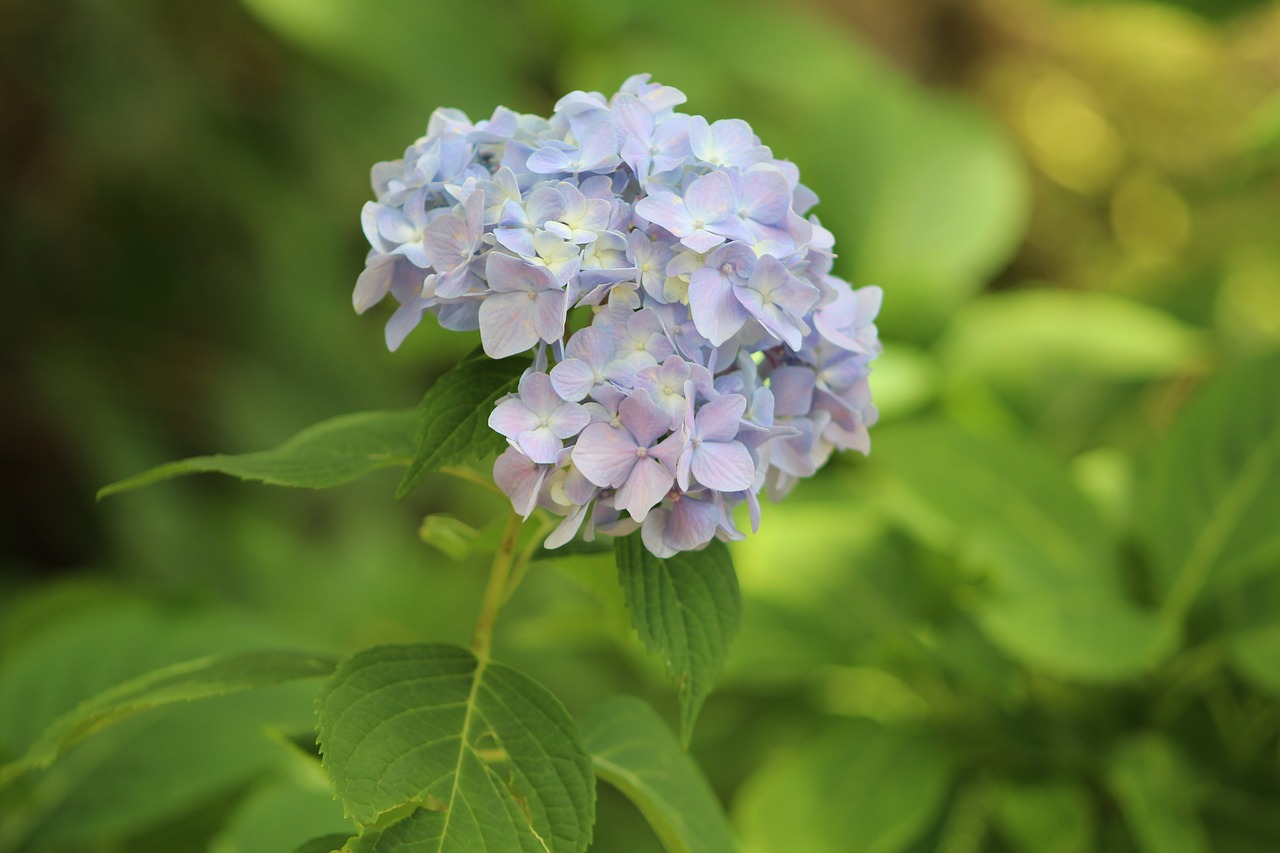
(1050,817)
(430,748)
(453,423)
(1206,508)
(1158,794)
(863,788)
(686,608)
(327,454)
(1049,586)
(216,675)
(632,749)
(1044,334)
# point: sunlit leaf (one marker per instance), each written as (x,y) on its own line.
(327,454)
(1044,334)
(1158,795)
(633,750)
(687,609)
(430,748)
(1206,508)
(453,417)
(861,789)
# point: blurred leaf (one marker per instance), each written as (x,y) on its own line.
(324,844)
(382,45)
(217,675)
(903,380)
(1206,507)
(327,454)
(90,651)
(477,755)
(284,814)
(145,770)
(1037,336)
(1256,655)
(687,609)
(1158,794)
(454,416)
(1090,632)
(1052,817)
(632,749)
(1253,640)
(451,536)
(1051,593)
(151,768)
(860,788)
(946,206)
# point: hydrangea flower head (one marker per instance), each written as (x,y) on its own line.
(713,356)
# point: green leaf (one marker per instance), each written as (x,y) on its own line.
(633,750)
(283,814)
(1158,794)
(860,788)
(149,768)
(1253,639)
(1206,508)
(686,608)
(377,44)
(1051,817)
(1049,591)
(430,748)
(216,675)
(944,206)
(330,453)
(453,417)
(323,844)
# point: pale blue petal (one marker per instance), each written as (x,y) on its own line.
(725,467)
(506,327)
(604,454)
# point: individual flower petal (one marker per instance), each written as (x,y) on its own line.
(605,454)
(520,479)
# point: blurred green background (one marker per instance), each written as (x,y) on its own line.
(1072,208)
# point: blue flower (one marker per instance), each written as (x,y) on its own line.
(722,357)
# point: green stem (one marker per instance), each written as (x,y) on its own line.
(495,591)
(545,526)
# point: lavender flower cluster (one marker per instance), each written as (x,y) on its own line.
(720,357)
